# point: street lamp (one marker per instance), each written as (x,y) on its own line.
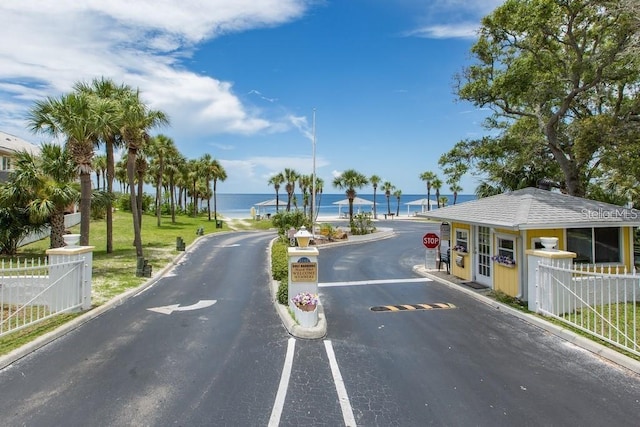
(303,237)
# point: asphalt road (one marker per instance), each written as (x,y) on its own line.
(462,366)
(149,362)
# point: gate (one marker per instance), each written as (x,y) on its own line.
(35,291)
(603,302)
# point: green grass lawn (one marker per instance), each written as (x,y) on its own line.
(115,273)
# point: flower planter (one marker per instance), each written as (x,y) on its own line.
(506,265)
(71,240)
(306,316)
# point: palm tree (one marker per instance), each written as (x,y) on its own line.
(206,166)
(174,163)
(45,185)
(350,180)
(108,91)
(437,185)
(100,168)
(387,187)
(136,120)
(374,180)
(397,194)
(81,119)
(277,180)
(219,174)
(316,208)
(304,182)
(194,173)
(455,189)
(160,148)
(428,177)
(290,177)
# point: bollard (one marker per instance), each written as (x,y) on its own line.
(180,246)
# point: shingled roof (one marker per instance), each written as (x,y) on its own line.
(533,208)
(14,144)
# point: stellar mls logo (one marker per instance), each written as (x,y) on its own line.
(618,213)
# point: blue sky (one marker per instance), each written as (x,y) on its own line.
(241,79)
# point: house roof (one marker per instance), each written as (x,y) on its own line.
(13,144)
(533,208)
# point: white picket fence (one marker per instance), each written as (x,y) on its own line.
(32,291)
(604,302)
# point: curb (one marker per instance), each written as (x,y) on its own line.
(566,334)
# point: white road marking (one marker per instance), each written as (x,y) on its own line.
(343,398)
(374,282)
(276,412)
(168,309)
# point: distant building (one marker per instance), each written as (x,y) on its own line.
(9,146)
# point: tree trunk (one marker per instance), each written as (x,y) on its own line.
(159,195)
(110,176)
(57,230)
(131,172)
(215,201)
(85,207)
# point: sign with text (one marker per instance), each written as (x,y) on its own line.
(304,272)
(431,240)
(445,231)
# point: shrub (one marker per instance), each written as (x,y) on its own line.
(362,224)
(284,221)
(280,270)
(279,267)
(283,293)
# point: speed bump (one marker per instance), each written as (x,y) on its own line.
(411,307)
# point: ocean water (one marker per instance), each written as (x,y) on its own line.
(239,205)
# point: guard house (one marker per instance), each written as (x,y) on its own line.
(489,236)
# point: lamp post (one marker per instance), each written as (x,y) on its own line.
(313,176)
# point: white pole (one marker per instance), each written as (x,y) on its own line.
(313,177)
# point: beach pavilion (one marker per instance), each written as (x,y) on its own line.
(423,203)
(268,203)
(357,201)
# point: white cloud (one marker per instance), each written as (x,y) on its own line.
(462,30)
(48,46)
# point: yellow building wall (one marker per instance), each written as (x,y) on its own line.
(546,232)
(461,272)
(627,247)
(505,278)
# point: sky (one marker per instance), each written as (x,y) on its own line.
(243,80)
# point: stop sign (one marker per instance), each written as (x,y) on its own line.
(431,240)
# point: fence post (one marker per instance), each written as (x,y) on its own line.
(75,253)
(534,258)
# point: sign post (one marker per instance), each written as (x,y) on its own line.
(431,241)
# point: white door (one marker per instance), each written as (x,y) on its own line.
(483,256)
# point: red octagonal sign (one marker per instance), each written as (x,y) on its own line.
(431,240)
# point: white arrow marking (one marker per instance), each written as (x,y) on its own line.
(168,309)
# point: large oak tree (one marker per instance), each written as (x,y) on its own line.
(559,65)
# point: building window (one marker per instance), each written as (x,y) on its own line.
(6,163)
(595,245)
(462,241)
(506,250)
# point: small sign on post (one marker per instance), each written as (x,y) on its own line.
(431,241)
